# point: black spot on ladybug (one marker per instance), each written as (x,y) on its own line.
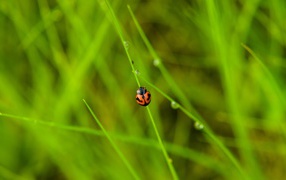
(139,99)
(148,96)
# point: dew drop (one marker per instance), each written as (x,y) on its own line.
(137,72)
(198,126)
(174,105)
(126,45)
(156,62)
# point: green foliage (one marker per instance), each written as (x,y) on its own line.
(215,70)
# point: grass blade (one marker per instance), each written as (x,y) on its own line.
(116,148)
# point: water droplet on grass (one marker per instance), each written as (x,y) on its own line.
(174,105)
(137,72)
(198,126)
(126,45)
(156,62)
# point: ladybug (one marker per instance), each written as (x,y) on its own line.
(143,96)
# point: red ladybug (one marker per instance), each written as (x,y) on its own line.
(143,96)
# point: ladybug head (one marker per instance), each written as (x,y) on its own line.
(141,90)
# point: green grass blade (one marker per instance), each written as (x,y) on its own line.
(172,148)
(116,148)
(228,74)
(169,161)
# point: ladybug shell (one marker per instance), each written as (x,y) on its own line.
(143,96)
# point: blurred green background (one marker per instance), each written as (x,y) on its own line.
(224,61)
